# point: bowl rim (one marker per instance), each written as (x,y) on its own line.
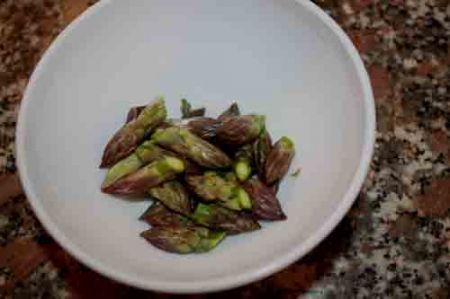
(215,284)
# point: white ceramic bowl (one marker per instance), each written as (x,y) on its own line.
(283,58)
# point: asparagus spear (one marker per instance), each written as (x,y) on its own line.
(134,112)
(185,143)
(174,196)
(144,154)
(265,204)
(131,134)
(240,130)
(158,215)
(233,110)
(182,239)
(212,187)
(149,176)
(217,217)
(261,148)
(278,161)
(188,112)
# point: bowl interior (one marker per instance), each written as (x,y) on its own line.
(275,57)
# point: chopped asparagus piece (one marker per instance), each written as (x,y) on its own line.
(149,176)
(240,130)
(265,204)
(179,239)
(174,196)
(185,143)
(131,134)
(217,217)
(158,215)
(213,187)
(278,161)
(144,154)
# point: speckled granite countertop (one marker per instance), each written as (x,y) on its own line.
(394,243)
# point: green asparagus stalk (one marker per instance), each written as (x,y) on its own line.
(265,203)
(151,175)
(233,110)
(240,130)
(217,217)
(158,215)
(278,161)
(188,112)
(212,187)
(186,144)
(180,239)
(131,134)
(144,154)
(174,196)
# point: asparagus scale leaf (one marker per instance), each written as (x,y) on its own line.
(131,134)
(149,176)
(265,203)
(188,112)
(134,112)
(183,239)
(220,218)
(204,127)
(185,108)
(174,196)
(212,187)
(186,144)
(233,110)
(278,161)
